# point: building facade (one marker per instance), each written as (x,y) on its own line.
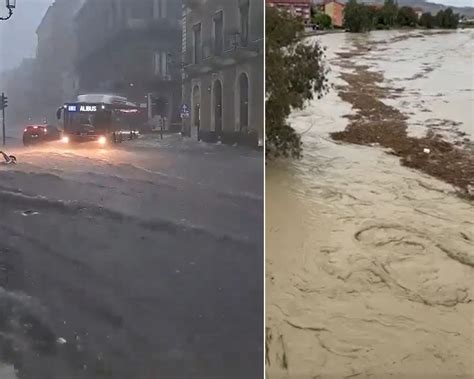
(418,11)
(132,48)
(299,8)
(16,83)
(335,10)
(223,70)
(55,56)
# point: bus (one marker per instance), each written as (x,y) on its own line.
(100,119)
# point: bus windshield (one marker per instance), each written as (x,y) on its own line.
(96,120)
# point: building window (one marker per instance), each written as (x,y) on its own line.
(244,23)
(161,64)
(160,9)
(141,10)
(197,43)
(219,33)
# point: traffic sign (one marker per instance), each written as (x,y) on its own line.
(184,111)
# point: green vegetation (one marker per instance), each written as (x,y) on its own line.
(322,20)
(294,74)
(427,21)
(447,19)
(388,14)
(407,17)
(357,17)
(361,18)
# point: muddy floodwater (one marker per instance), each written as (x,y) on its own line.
(370,264)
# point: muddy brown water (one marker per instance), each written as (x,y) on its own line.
(369,263)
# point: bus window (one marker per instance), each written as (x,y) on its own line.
(101,119)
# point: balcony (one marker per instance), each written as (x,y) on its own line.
(194,4)
(162,25)
(234,52)
(136,24)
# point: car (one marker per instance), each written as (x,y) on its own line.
(34,134)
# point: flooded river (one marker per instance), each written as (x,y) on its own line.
(369,263)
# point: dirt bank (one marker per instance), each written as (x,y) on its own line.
(376,123)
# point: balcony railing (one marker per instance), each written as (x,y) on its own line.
(235,50)
(194,4)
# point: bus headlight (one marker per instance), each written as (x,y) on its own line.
(102,140)
(65,139)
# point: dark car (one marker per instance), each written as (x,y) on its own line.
(34,134)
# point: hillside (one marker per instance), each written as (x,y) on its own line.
(425,5)
(433,7)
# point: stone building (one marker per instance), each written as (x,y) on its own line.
(132,48)
(55,57)
(223,70)
(16,83)
(298,8)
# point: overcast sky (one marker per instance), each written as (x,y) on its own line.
(455,3)
(18,35)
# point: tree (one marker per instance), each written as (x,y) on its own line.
(451,20)
(323,20)
(447,19)
(374,16)
(389,13)
(427,20)
(407,17)
(356,17)
(439,19)
(294,74)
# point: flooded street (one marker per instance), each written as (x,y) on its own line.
(131,261)
(370,263)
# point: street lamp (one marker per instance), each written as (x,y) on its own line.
(10,5)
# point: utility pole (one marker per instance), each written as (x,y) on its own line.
(3,106)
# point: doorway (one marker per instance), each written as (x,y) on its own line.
(244,102)
(196,113)
(218,107)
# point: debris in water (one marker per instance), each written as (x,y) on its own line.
(9,159)
(29,212)
(61,341)
(426,151)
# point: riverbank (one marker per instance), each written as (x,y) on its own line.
(312,33)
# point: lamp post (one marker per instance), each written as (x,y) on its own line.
(10,5)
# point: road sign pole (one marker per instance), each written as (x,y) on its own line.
(3,118)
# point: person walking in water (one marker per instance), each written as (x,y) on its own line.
(9,159)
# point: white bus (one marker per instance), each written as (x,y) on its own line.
(100,118)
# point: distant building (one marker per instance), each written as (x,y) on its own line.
(55,55)
(418,12)
(334,9)
(17,84)
(223,77)
(299,8)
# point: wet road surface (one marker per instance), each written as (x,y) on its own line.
(142,261)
